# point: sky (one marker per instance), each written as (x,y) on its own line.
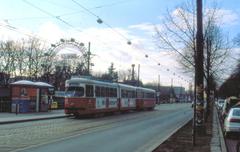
(124,20)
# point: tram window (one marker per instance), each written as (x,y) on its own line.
(123,93)
(129,94)
(107,93)
(149,95)
(145,95)
(111,92)
(97,91)
(103,91)
(89,91)
(133,94)
(140,94)
(77,91)
(114,92)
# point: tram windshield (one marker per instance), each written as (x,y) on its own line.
(75,92)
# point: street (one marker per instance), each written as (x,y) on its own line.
(134,131)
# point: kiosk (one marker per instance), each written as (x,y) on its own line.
(28,96)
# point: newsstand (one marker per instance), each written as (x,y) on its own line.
(28,96)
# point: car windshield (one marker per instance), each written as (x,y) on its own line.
(75,92)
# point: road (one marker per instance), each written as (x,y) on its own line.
(134,131)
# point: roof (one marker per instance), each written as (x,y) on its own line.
(43,84)
(145,89)
(30,83)
(23,82)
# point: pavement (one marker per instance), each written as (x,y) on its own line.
(217,141)
(7,118)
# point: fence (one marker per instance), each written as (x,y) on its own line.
(5,105)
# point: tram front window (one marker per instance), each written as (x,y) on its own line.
(75,91)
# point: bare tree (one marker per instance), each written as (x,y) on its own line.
(178,34)
(8,57)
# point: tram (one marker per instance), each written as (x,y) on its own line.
(86,96)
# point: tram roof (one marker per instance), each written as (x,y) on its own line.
(90,81)
(125,86)
(96,82)
(145,89)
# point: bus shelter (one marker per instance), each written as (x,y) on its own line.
(28,96)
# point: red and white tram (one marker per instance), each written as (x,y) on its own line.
(86,96)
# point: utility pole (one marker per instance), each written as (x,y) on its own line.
(171,92)
(158,94)
(199,73)
(138,75)
(133,72)
(88,58)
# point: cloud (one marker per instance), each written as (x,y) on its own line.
(227,17)
(147,28)
(50,32)
(143,26)
(108,46)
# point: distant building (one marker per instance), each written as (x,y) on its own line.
(167,95)
(180,94)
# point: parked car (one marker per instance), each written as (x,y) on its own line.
(220,104)
(228,104)
(232,121)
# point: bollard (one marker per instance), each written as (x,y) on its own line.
(17,109)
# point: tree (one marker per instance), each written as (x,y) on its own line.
(178,34)
(111,75)
(8,57)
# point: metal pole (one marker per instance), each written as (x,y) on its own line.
(159,89)
(133,73)
(138,74)
(88,58)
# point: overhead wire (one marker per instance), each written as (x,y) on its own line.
(158,63)
(49,14)
(100,21)
(65,22)
(108,25)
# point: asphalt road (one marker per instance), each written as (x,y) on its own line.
(137,131)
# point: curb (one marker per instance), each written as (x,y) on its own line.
(222,140)
(32,119)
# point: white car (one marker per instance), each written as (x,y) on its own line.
(232,121)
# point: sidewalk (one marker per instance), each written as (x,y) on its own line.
(217,141)
(6,118)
